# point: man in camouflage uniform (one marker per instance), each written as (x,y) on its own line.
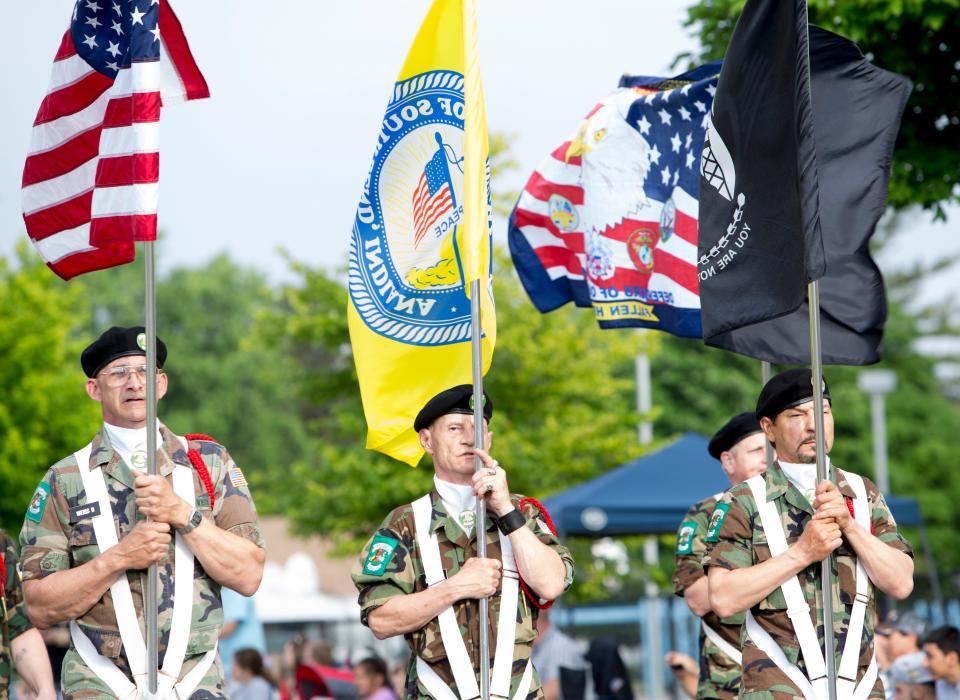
(741,449)
(20,643)
(67,577)
(392,571)
(812,521)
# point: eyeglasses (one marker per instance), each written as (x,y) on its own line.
(118,376)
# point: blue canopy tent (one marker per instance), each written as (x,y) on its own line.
(651,494)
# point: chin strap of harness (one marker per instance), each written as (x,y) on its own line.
(531,596)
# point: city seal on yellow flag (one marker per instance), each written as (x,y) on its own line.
(408,282)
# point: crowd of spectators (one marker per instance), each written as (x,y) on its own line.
(917,663)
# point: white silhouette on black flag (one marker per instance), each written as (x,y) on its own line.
(793,181)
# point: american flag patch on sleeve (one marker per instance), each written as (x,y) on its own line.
(237,478)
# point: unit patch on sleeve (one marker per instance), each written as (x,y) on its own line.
(685,537)
(381,552)
(716,522)
(38,502)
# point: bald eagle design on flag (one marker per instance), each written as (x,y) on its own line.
(614,161)
(609,219)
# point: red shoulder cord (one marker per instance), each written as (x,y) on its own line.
(549,521)
(852,514)
(3,576)
(197,461)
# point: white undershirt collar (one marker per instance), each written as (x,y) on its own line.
(130,442)
(460,502)
(803,477)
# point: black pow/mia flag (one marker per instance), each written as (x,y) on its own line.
(793,181)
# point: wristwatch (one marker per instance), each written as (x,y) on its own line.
(195,519)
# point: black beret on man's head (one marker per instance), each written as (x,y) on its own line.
(786,390)
(459,399)
(118,342)
(740,426)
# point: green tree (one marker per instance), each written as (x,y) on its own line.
(562,391)
(916,38)
(45,413)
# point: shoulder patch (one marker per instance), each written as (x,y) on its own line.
(716,521)
(685,534)
(381,552)
(39,502)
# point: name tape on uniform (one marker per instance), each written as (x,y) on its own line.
(82,512)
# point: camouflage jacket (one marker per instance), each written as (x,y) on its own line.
(402,573)
(736,540)
(719,674)
(58,535)
(15,621)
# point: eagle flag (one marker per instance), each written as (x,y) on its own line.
(609,219)
(422,233)
(91,177)
(794,180)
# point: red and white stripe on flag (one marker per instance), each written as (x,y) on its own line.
(561,249)
(91,178)
(428,208)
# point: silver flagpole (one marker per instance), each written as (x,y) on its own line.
(481,524)
(765,373)
(151,602)
(823,474)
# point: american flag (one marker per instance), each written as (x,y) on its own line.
(621,238)
(91,179)
(432,197)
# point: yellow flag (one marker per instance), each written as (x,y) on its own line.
(422,232)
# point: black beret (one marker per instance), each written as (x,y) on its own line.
(787,389)
(737,428)
(459,399)
(118,342)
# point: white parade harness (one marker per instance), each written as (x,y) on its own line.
(169,684)
(460,662)
(730,651)
(814,685)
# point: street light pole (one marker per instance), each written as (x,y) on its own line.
(650,546)
(877,383)
(878,419)
(644,403)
